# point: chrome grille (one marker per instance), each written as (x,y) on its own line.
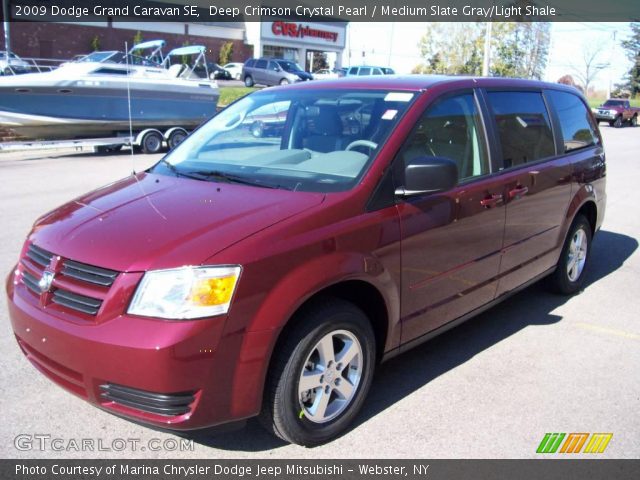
(88,273)
(76,302)
(77,286)
(31,282)
(40,256)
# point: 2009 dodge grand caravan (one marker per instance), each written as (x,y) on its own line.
(249,275)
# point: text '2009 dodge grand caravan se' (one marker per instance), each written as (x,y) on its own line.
(246,275)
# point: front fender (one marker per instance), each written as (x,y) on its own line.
(281,303)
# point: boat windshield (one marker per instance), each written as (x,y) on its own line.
(97,57)
(308,140)
(118,57)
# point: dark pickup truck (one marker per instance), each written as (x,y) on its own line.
(616,111)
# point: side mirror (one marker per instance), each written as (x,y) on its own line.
(428,175)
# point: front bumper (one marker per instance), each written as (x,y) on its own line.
(605,115)
(173,374)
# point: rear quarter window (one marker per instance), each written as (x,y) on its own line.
(523,125)
(576,126)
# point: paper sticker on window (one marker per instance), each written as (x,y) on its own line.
(398,97)
(389,115)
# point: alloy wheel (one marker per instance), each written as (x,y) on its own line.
(330,377)
(577,255)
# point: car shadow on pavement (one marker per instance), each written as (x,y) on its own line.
(401,376)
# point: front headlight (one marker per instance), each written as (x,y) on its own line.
(188,292)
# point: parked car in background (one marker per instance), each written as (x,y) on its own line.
(616,111)
(364,70)
(324,74)
(272,71)
(235,69)
(216,72)
(13,64)
(375,214)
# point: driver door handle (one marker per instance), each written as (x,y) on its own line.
(518,192)
(491,201)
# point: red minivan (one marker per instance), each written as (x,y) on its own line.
(267,274)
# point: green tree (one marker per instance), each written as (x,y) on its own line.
(94,45)
(518,49)
(319,61)
(137,39)
(451,48)
(632,46)
(226,53)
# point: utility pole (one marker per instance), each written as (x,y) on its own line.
(7,39)
(486,62)
(613,44)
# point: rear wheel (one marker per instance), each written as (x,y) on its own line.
(248,81)
(320,376)
(634,121)
(570,275)
(151,142)
(176,138)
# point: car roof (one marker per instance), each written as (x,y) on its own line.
(421,82)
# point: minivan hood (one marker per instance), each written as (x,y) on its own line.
(151,221)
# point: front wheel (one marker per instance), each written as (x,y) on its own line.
(321,374)
(617,123)
(151,142)
(569,276)
(284,81)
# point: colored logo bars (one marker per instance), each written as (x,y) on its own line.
(574,442)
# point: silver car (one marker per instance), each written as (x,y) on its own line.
(272,71)
(12,64)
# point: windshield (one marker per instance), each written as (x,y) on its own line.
(309,140)
(290,66)
(613,103)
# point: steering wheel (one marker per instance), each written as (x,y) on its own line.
(362,143)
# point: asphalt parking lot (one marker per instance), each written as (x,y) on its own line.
(490,388)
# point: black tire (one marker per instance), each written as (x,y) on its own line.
(617,123)
(611,123)
(248,81)
(634,121)
(561,280)
(284,81)
(284,414)
(151,142)
(176,138)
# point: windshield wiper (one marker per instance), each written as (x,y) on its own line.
(177,172)
(230,178)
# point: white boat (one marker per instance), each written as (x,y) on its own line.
(100,94)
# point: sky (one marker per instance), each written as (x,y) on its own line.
(396,44)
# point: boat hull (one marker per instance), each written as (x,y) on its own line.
(95,108)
